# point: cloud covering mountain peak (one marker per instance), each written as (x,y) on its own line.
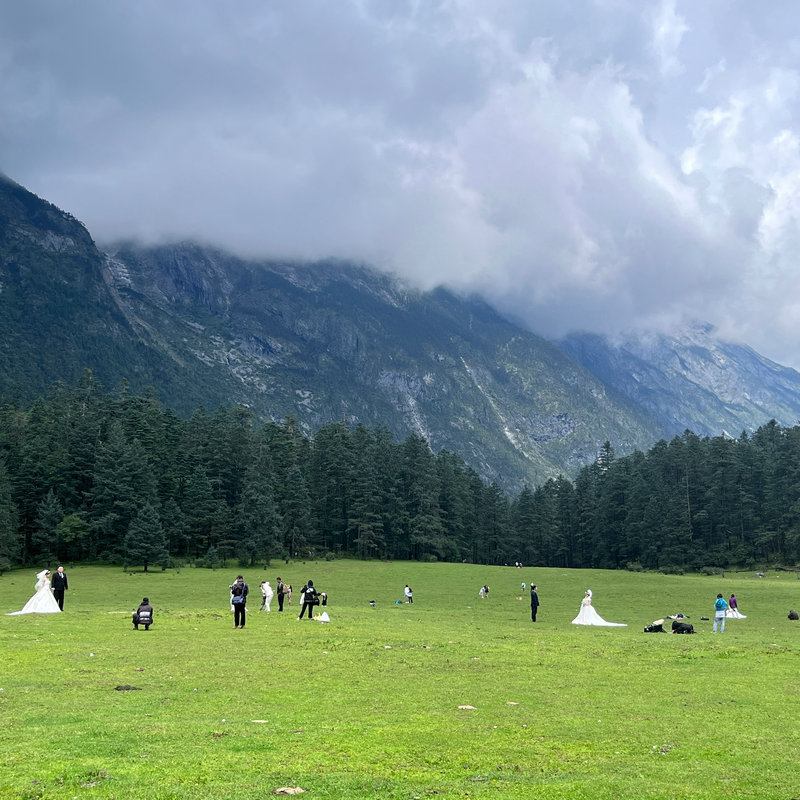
(596,164)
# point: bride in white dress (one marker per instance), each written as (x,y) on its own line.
(588,616)
(42,601)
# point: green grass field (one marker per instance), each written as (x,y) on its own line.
(368,705)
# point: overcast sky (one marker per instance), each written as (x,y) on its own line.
(591,164)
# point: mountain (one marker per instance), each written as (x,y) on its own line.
(336,341)
(331,341)
(323,342)
(692,380)
(58,309)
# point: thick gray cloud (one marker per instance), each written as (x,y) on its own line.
(599,164)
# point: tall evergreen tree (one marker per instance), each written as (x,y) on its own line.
(257,514)
(145,542)
(44,541)
(296,516)
(9,543)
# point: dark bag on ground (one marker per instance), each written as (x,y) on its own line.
(794,615)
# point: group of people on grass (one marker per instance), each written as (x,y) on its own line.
(48,598)
(309,598)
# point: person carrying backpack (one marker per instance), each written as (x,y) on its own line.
(720,607)
(310,599)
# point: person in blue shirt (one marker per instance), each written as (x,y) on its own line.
(720,607)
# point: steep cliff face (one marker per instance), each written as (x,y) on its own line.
(50,273)
(60,312)
(333,341)
(693,380)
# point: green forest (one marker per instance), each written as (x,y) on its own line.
(87,475)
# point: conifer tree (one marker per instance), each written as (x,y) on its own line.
(145,542)
(44,541)
(296,517)
(257,516)
(9,543)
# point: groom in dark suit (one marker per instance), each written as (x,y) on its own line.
(59,586)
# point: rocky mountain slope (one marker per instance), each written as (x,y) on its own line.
(332,341)
(692,380)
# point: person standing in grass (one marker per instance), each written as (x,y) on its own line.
(239,590)
(60,585)
(408,594)
(280,588)
(309,595)
(534,602)
(720,607)
(267,592)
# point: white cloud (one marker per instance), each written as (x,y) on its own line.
(593,164)
(668,30)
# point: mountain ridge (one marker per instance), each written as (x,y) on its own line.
(329,341)
(710,386)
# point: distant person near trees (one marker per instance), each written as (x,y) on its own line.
(720,607)
(409,595)
(534,602)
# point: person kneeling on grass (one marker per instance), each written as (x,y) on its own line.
(143,615)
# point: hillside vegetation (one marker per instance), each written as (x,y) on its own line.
(88,476)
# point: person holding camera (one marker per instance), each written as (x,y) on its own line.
(143,615)
(239,591)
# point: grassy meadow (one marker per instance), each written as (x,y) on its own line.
(368,704)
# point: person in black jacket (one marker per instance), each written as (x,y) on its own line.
(143,615)
(280,590)
(59,586)
(534,602)
(310,599)
(239,591)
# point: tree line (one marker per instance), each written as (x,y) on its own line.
(87,475)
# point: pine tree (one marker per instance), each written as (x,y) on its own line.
(257,516)
(123,483)
(9,543)
(198,507)
(145,542)
(296,517)
(44,541)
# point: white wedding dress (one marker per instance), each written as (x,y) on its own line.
(588,616)
(734,613)
(42,601)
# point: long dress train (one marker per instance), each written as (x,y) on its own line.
(734,613)
(42,601)
(588,616)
